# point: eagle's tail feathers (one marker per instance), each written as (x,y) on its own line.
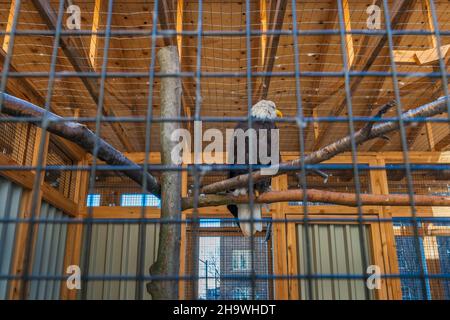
(244,213)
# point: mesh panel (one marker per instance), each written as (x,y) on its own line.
(17,141)
(434,244)
(225,267)
(61,180)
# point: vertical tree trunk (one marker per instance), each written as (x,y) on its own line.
(168,261)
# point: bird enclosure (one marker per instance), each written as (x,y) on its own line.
(115,178)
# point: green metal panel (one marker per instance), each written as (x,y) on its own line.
(49,252)
(335,250)
(114,252)
(10,199)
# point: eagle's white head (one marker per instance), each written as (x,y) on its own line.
(266,110)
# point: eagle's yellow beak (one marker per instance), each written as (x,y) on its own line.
(279,113)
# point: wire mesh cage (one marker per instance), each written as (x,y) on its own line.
(115,173)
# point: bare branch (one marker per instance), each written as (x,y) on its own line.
(322,196)
(168,262)
(80,135)
(344,144)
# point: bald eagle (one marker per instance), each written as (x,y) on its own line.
(263,115)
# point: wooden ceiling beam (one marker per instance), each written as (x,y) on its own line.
(443,143)
(348,36)
(401,12)
(166,19)
(94,38)
(415,131)
(72,48)
(311,109)
(9,24)
(30,93)
(179,27)
(272,45)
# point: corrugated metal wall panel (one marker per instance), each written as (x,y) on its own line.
(10,196)
(114,251)
(335,249)
(49,254)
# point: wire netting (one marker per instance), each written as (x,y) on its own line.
(329,65)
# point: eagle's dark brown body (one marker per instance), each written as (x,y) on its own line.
(257,125)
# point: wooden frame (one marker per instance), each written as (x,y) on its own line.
(375,240)
(284,242)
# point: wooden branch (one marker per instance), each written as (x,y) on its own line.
(168,261)
(322,196)
(80,135)
(344,144)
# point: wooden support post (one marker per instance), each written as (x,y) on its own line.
(280,266)
(94,38)
(183,246)
(272,46)
(18,262)
(429,17)
(7,37)
(430,137)
(391,288)
(315,124)
(179,26)
(75,231)
(348,36)
(179,29)
(263,19)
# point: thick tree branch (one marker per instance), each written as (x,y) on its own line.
(80,135)
(168,261)
(344,144)
(339,198)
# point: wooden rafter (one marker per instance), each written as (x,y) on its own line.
(72,48)
(166,19)
(7,37)
(348,36)
(263,20)
(443,143)
(272,45)
(94,38)
(415,131)
(401,12)
(167,15)
(320,67)
(179,27)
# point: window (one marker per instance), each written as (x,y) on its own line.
(209,223)
(241,294)
(241,260)
(137,199)
(93,200)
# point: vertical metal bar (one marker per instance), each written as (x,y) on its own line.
(301,126)
(7,62)
(39,168)
(196,169)
(442,66)
(250,142)
(403,141)
(351,125)
(148,130)
(98,119)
